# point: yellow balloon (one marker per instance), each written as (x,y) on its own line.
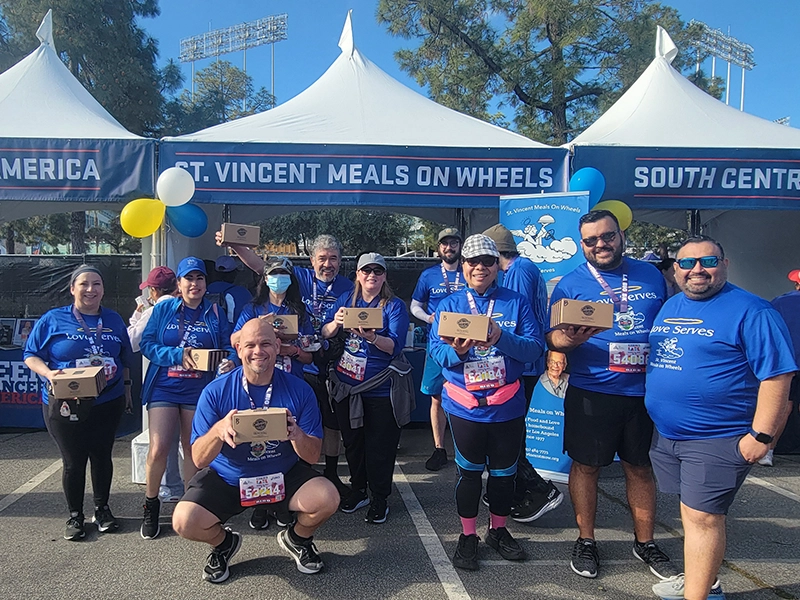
(619,209)
(141,218)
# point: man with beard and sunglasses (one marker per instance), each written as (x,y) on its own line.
(434,284)
(604,413)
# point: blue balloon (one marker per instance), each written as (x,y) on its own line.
(589,180)
(188,219)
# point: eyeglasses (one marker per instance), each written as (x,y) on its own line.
(378,271)
(557,363)
(452,243)
(486,261)
(607,238)
(707,262)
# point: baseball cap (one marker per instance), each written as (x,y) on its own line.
(370,258)
(794,275)
(189,264)
(225,264)
(449,232)
(160,277)
(479,245)
(502,238)
(278,262)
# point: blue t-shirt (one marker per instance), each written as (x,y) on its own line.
(788,305)
(589,363)
(59,340)
(254,459)
(366,359)
(524,277)
(707,360)
(251,311)
(431,288)
(521,342)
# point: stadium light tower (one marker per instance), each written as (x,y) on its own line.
(234,39)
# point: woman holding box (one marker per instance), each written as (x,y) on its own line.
(82,335)
(370,428)
(483,397)
(173,384)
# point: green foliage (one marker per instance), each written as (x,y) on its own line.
(641,238)
(114,236)
(50,230)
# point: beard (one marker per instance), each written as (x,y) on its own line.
(452,259)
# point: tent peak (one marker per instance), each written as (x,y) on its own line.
(45,31)
(665,47)
(346,39)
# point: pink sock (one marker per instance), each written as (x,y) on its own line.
(470,526)
(496,521)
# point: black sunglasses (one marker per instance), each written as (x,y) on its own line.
(486,261)
(607,238)
(707,262)
(377,270)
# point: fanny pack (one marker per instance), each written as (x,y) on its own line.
(468,400)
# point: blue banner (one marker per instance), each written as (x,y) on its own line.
(544,425)
(306,174)
(20,392)
(76,170)
(696,178)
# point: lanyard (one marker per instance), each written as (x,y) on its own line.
(623,302)
(474,307)
(267,394)
(372,303)
(184,335)
(96,340)
(447,282)
(316,305)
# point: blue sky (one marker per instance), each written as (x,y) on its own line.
(772,89)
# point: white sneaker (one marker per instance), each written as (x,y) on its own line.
(672,589)
(767,460)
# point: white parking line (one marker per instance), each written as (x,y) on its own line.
(447,574)
(29,485)
(771,486)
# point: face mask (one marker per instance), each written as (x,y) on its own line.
(279,283)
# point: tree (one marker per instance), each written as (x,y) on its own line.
(50,230)
(551,64)
(641,238)
(114,236)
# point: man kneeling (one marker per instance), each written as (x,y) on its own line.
(216,493)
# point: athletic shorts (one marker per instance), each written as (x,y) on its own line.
(432,378)
(597,426)
(222,500)
(706,474)
(163,404)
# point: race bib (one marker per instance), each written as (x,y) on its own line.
(354,367)
(266,489)
(109,366)
(485,374)
(628,358)
(181,373)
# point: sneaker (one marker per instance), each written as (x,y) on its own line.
(216,569)
(585,558)
(378,511)
(766,461)
(259,518)
(74,530)
(500,539)
(150,526)
(437,460)
(466,556)
(355,500)
(341,486)
(305,554)
(104,520)
(651,555)
(167,495)
(672,589)
(284,518)
(535,505)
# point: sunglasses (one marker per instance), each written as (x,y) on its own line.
(378,271)
(486,261)
(607,238)
(707,262)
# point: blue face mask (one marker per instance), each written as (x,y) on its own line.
(279,283)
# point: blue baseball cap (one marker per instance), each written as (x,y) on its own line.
(189,264)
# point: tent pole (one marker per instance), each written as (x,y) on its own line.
(461,222)
(694,222)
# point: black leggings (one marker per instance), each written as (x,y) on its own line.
(527,478)
(478,445)
(78,442)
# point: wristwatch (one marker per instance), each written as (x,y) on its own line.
(764,438)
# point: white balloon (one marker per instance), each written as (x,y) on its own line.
(175,186)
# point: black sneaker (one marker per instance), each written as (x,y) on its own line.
(259,519)
(534,505)
(378,511)
(437,460)
(150,526)
(355,500)
(216,569)
(651,555)
(305,554)
(74,530)
(341,486)
(500,539)
(104,520)
(585,558)
(466,556)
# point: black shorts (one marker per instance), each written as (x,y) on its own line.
(317,383)
(219,498)
(597,426)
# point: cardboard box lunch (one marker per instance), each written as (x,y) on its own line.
(286,324)
(246,235)
(366,318)
(83,382)
(464,326)
(260,425)
(577,313)
(207,359)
